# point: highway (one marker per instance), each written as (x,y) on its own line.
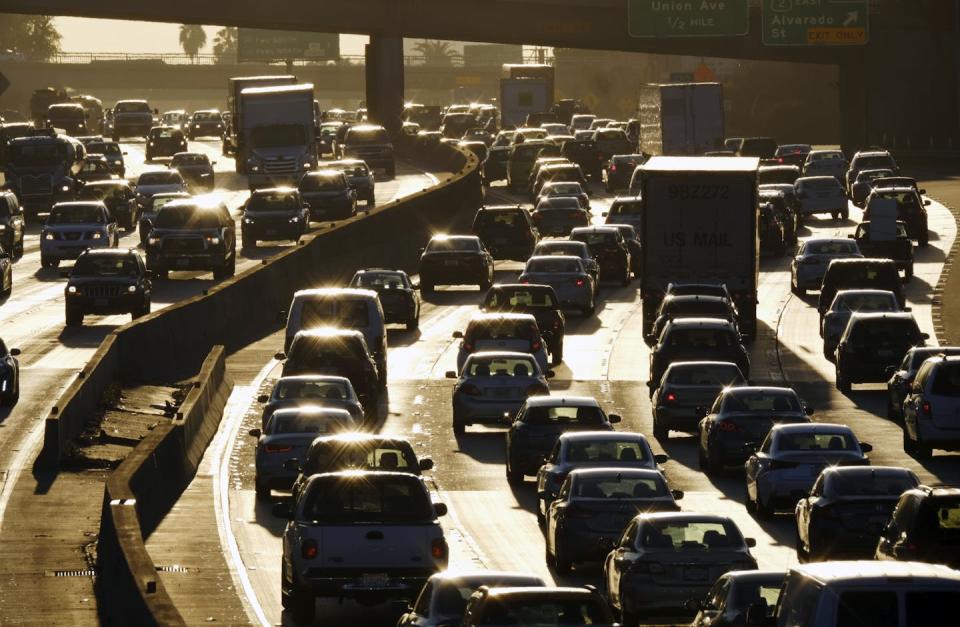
(493,525)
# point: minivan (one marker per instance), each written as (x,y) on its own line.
(866,273)
(344,308)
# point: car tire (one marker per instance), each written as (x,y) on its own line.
(843,384)
(541,518)
(262,491)
(764,510)
(628,619)
(922,450)
(749,503)
(247,243)
(713,467)
(141,311)
(802,555)
(701,459)
(303,607)
(845,213)
(514,477)
(47,262)
(73,318)
(798,291)
(556,354)
(413,323)
(426,288)
(660,431)
(459,428)
(835,215)
(562,564)
(908,273)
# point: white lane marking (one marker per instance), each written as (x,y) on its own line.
(236,409)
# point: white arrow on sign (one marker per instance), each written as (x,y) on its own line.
(852,18)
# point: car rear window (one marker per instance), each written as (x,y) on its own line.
(875,162)
(521,298)
(928,607)
(189,160)
(618,487)
(501,367)
(367,498)
(866,303)
(553,265)
(761,402)
(453,245)
(76,214)
(544,612)
(499,219)
(864,482)
(564,414)
(883,331)
(307,423)
(374,280)
(680,535)
(563,189)
(706,375)
(160,178)
(335,455)
(830,248)
(311,390)
(820,184)
(501,330)
(866,273)
(860,608)
(597,239)
(946,380)
(625,451)
(816,442)
(626,207)
(323,183)
(696,307)
(345,313)
(700,338)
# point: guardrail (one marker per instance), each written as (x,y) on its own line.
(179,58)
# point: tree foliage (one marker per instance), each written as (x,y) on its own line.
(225,45)
(33,36)
(436,52)
(192,39)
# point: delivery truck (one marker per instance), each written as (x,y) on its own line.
(699,225)
(277,134)
(524,89)
(681,118)
(232,141)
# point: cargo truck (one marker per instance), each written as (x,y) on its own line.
(42,169)
(232,142)
(681,118)
(277,134)
(524,89)
(699,225)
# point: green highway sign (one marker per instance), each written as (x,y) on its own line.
(256,44)
(815,22)
(687,18)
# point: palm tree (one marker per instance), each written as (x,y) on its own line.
(225,45)
(436,52)
(192,39)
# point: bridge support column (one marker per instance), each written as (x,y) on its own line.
(384,56)
(853,103)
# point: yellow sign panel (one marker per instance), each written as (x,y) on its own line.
(837,36)
(468,80)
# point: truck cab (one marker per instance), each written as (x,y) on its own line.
(277,133)
(371,143)
(42,168)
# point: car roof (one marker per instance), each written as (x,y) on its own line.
(307,378)
(864,292)
(701,323)
(618,436)
(110,252)
(561,257)
(775,168)
(862,260)
(748,389)
(359,437)
(825,240)
(312,410)
(683,517)
(823,177)
(626,471)
(695,298)
(108,183)
(596,228)
(865,470)
(811,427)
(860,572)
(562,400)
(523,286)
(80,203)
(887,315)
(328,292)
(754,575)
(499,355)
(501,316)
(329,332)
(699,363)
(504,208)
(546,593)
(479,576)
(872,153)
(472,238)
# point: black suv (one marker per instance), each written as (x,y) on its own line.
(164,141)
(190,235)
(620,171)
(277,213)
(113,153)
(507,232)
(584,153)
(107,281)
(911,208)
(868,273)
(11,219)
(455,260)
(538,300)
(698,339)
(923,527)
(119,198)
(371,143)
(608,248)
(871,343)
(195,168)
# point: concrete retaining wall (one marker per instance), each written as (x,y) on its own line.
(142,490)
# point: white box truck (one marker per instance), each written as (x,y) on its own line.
(232,141)
(522,96)
(699,225)
(681,118)
(278,132)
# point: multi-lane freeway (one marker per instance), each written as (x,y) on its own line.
(492,524)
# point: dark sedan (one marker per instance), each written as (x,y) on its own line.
(609,249)
(398,295)
(328,195)
(538,300)
(686,387)
(455,260)
(164,141)
(195,168)
(277,213)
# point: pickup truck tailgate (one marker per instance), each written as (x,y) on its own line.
(377,547)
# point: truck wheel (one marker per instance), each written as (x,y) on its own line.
(74,318)
(514,477)
(392,171)
(557,353)
(47,262)
(303,607)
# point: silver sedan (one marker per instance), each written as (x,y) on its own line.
(815,254)
(568,277)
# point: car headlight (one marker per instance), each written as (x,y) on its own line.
(48,236)
(248,220)
(196,126)
(213,240)
(294,219)
(131,289)
(65,188)
(254,168)
(117,162)
(3,227)
(71,289)
(153,241)
(97,235)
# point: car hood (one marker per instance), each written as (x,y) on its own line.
(59,228)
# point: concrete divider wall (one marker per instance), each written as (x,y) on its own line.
(171,344)
(142,490)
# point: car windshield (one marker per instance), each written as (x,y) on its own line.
(501,367)
(819,441)
(160,178)
(344,313)
(453,244)
(831,247)
(522,152)
(699,338)
(941,517)
(712,375)
(158,203)
(206,116)
(678,535)
(375,280)
(367,136)
(761,402)
(307,423)
(877,161)
(363,455)
(186,217)
(618,487)
(866,482)
(104,148)
(350,169)
(873,332)
(564,414)
(544,612)
(624,451)
(37,154)
(276,201)
(131,107)
(278,136)
(690,308)
(76,214)
(103,265)
(866,302)
(554,265)
(323,183)
(946,380)
(367,498)
(597,239)
(519,297)
(305,390)
(189,160)
(500,219)
(164,133)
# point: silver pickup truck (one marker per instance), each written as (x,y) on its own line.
(366,535)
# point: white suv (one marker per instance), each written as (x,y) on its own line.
(931,410)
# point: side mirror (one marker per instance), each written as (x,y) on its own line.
(604,214)
(400,606)
(425,464)
(506,418)
(15,351)
(865,447)
(213,163)
(922,191)
(926,203)
(263,398)
(450,374)
(282,316)
(907,309)
(677,494)
(750,542)
(458,335)
(440,509)
(550,374)
(649,339)
(156,111)
(614,418)
(925,336)
(661,459)
(255,433)
(282,510)
(124,153)
(889,371)
(292,465)
(280,356)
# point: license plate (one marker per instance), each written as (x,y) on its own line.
(450,262)
(695,574)
(183,262)
(375,580)
(100,302)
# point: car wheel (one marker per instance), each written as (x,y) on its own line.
(141,311)
(701,459)
(843,384)
(749,503)
(835,215)
(922,450)
(246,243)
(303,607)
(426,288)
(924,240)
(802,555)
(764,510)
(628,619)
(909,446)
(47,262)
(660,431)
(908,273)
(562,564)
(514,477)
(556,354)
(541,518)
(263,492)
(413,323)
(798,291)
(845,214)
(73,318)
(459,428)
(713,466)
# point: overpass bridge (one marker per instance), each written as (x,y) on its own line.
(904,81)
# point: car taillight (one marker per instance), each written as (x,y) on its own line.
(467,346)
(309,549)
(779,159)
(927,409)
(578,282)
(535,346)
(277,448)
(470,389)
(613,167)
(525,281)
(672,398)
(438,549)
(537,390)
(729,427)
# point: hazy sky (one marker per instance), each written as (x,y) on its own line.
(90,35)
